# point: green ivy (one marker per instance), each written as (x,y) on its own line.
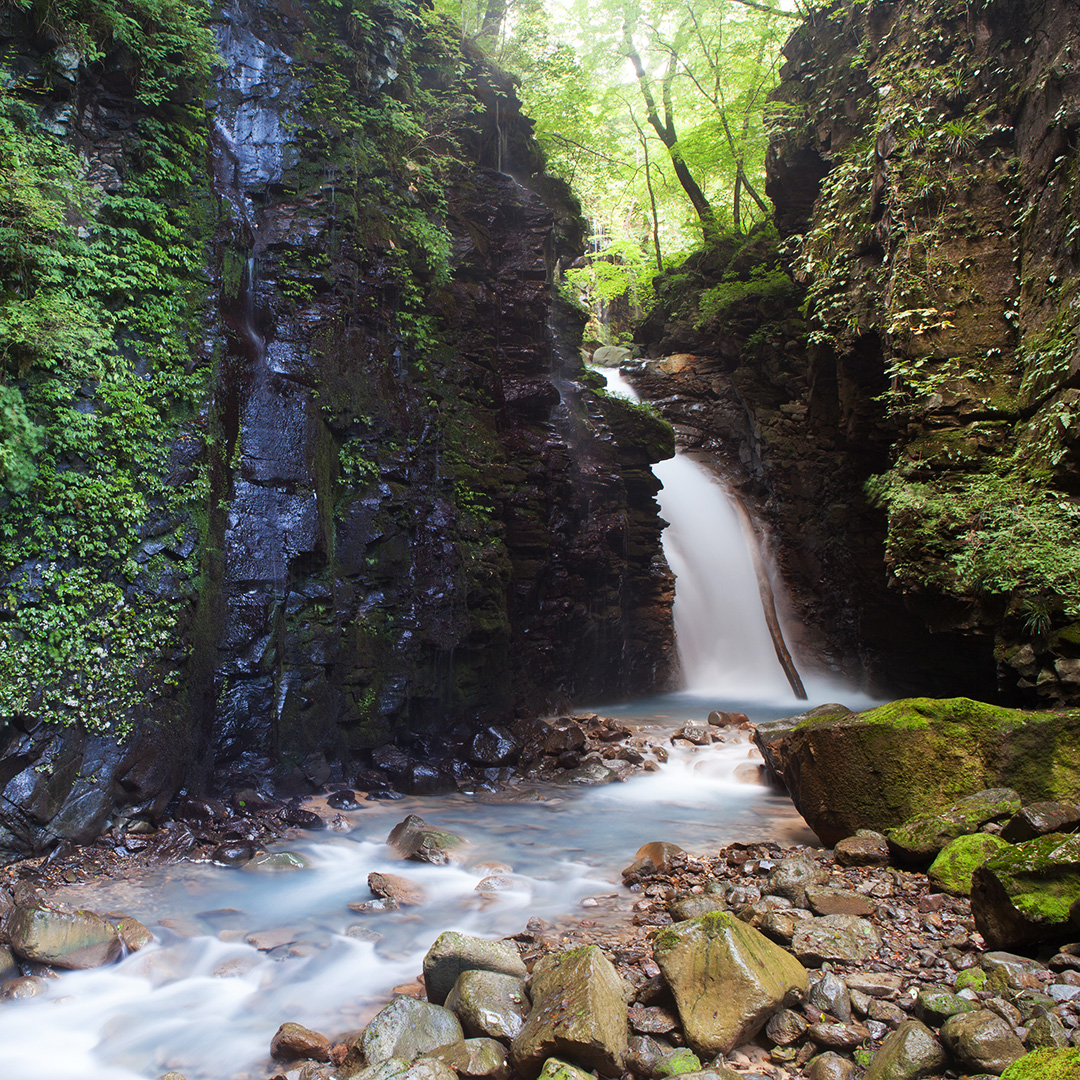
(100,302)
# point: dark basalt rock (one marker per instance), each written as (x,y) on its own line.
(455,527)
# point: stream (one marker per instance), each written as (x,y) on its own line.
(238,952)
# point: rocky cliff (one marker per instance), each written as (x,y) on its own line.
(373,495)
(904,416)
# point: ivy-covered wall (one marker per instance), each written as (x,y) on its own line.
(924,171)
(298,453)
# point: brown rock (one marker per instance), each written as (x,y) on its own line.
(401,890)
(294,1042)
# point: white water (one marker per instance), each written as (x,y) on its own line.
(204,1000)
(723,640)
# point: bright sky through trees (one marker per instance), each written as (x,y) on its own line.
(654,110)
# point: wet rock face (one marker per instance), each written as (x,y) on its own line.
(408,524)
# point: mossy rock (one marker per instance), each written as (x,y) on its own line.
(1045,1064)
(951,871)
(921,840)
(909,759)
(1029,893)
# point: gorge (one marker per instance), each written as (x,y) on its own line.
(309,493)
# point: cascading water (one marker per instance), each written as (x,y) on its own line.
(725,647)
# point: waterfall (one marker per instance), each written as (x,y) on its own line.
(725,647)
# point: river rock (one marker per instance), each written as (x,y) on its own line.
(864,849)
(831,1066)
(1013,972)
(829,994)
(982,1041)
(843,938)
(652,1020)
(25,986)
(951,871)
(825,900)
(294,1042)
(920,840)
(233,853)
(786,1027)
(63,939)
(494,745)
(454,952)
(402,891)
(489,1004)
(1045,1064)
(1041,818)
(911,758)
(407,1028)
(475,1058)
(1029,893)
(415,839)
(934,1006)
(875,984)
(690,907)
(133,934)
(791,877)
(911,1051)
(1047,1030)
(276,862)
(780,924)
(578,1011)
(727,978)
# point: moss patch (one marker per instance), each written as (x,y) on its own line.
(1045,1064)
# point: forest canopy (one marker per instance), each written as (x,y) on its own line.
(656,111)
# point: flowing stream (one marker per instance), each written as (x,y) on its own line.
(236,953)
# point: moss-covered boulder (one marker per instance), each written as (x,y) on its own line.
(920,840)
(951,871)
(910,1051)
(847,771)
(453,953)
(578,1012)
(727,978)
(1029,893)
(1045,1065)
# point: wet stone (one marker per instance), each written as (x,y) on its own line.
(982,1041)
(454,952)
(294,1042)
(652,1020)
(407,1028)
(25,986)
(415,839)
(831,1066)
(862,850)
(786,1027)
(233,853)
(401,890)
(489,1004)
(829,994)
(824,900)
(843,938)
(64,939)
(790,878)
(475,1058)
(911,1051)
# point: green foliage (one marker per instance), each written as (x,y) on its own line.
(1001,533)
(99,303)
(763,284)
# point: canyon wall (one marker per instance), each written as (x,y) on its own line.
(375,495)
(903,414)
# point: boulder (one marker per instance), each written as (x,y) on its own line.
(920,840)
(454,952)
(951,871)
(494,745)
(865,849)
(1029,893)
(294,1042)
(786,1027)
(831,1066)
(843,938)
(829,994)
(578,1011)
(1040,818)
(982,1041)
(727,978)
(790,878)
(62,938)
(415,839)
(911,1051)
(407,1028)
(934,1006)
(1045,1064)
(489,1004)
(402,891)
(911,758)
(475,1058)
